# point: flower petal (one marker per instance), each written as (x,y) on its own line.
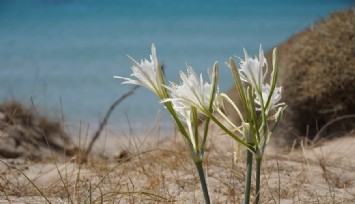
(193,91)
(251,70)
(147,74)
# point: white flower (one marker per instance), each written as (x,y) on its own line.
(184,114)
(148,74)
(251,70)
(193,91)
(274,99)
(193,96)
(183,111)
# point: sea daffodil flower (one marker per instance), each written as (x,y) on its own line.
(148,74)
(183,103)
(195,92)
(257,96)
(251,70)
(193,96)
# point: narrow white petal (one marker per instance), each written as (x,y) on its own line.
(251,70)
(146,73)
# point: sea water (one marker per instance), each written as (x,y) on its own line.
(61,55)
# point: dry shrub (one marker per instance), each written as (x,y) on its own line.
(318,72)
(24,133)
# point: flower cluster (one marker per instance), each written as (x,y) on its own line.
(260,101)
(252,71)
(258,96)
(184,101)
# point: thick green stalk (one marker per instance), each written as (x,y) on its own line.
(248,177)
(257,185)
(203,181)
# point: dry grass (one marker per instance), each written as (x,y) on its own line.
(154,170)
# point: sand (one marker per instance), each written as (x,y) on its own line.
(160,170)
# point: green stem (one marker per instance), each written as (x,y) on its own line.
(248,177)
(257,185)
(203,181)
(230,133)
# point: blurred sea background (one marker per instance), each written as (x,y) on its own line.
(63,54)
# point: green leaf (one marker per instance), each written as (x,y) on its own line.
(239,86)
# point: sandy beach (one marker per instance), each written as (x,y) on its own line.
(163,172)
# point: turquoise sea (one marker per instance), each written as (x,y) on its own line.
(64,53)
